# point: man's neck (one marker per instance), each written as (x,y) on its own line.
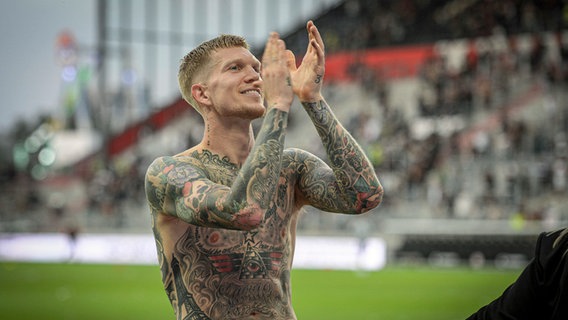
(233,141)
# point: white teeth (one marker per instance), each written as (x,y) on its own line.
(251,91)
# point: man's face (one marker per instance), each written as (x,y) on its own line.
(234,84)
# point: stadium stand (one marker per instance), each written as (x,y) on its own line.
(461,105)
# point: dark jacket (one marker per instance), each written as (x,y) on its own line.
(541,291)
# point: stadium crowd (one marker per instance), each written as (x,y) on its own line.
(502,155)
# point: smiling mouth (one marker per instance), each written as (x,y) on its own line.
(254,92)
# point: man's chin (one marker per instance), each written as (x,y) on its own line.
(243,111)
(257,112)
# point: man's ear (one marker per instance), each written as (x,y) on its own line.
(199,93)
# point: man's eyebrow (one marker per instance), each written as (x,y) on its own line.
(232,61)
(226,63)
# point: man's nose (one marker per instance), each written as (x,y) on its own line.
(252,74)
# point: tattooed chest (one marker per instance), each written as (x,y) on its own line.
(221,175)
(219,170)
(250,254)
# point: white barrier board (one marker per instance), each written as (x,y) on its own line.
(312,252)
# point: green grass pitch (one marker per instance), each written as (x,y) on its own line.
(74,291)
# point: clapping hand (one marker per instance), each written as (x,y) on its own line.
(275,73)
(307,78)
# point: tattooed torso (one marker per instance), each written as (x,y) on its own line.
(215,273)
(199,200)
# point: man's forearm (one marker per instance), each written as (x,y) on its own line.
(257,179)
(353,171)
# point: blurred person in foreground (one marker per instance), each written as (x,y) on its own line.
(541,290)
(225,211)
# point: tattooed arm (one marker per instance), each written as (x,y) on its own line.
(350,185)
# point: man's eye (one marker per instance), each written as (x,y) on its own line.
(234,67)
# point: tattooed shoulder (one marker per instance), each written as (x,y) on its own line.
(163,171)
(155,182)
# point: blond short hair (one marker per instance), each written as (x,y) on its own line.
(198,60)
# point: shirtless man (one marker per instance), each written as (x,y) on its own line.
(224,212)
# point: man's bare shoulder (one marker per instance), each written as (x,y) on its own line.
(162,163)
(162,171)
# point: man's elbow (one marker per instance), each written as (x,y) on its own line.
(248,218)
(369,200)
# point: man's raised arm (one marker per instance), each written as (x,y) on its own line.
(352,174)
(350,185)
